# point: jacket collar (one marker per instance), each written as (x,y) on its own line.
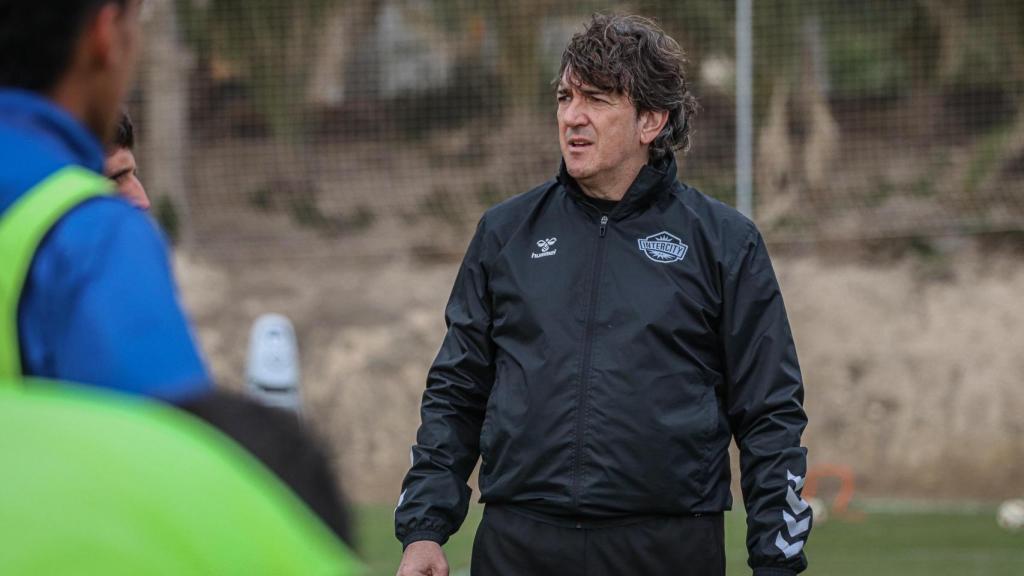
(36,114)
(653,181)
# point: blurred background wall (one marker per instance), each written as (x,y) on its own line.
(329,159)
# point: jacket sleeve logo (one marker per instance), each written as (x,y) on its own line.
(663,247)
(546,249)
(796,528)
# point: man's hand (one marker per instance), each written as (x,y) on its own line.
(423,558)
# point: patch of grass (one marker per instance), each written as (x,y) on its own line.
(881,544)
(442,205)
(923,186)
(167,217)
(381,552)
(298,199)
(878,192)
(490,194)
(261,198)
(794,223)
(986,156)
(721,189)
(917,544)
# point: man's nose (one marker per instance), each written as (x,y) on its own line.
(137,195)
(574,114)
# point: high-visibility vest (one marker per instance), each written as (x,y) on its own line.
(22,227)
(95,482)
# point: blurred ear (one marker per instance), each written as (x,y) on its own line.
(651,123)
(100,37)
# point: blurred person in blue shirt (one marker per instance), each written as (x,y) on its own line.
(98,303)
(87,296)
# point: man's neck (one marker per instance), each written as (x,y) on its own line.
(69,98)
(614,187)
(68,95)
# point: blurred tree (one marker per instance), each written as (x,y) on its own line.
(798,138)
(345,64)
(516,26)
(702,27)
(525,81)
(362,68)
(518,31)
(164,72)
(270,42)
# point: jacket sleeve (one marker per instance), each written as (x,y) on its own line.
(765,406)
(435,496)
(100,307)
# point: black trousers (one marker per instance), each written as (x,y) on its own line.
(509,543)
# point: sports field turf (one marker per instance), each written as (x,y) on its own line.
(879,544)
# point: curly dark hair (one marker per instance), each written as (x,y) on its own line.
(632,55)
(124,136)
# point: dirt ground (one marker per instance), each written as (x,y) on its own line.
(912,363)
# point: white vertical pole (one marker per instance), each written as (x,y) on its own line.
(744,108)
(164,128)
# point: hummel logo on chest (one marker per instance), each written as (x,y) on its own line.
(545,248)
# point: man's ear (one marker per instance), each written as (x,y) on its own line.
(651,123)
(100,37)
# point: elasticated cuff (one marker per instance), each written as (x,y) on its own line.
(774,572)
(423,535)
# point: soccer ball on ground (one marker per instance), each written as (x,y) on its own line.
(820,510)
(1011,515)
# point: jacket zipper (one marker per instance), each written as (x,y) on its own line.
(584,377)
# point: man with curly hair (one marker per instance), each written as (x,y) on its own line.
(609,334)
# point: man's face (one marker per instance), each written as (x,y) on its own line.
(599,132)
(120,167)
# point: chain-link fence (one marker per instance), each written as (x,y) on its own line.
(296,128)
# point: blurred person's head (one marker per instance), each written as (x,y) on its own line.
(79,53)
(120,164)
(623,99)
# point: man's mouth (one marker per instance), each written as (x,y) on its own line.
(578,143)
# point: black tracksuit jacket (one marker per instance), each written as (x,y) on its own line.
(599,364)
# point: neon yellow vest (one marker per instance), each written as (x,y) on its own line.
(94,482)
(22,227)
(100,483)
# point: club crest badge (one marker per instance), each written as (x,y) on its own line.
(663,247)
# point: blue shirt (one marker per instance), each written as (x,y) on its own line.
(99,304)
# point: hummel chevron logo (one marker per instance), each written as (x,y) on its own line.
(794,527)
(795,502)
(788,549)
(545,248)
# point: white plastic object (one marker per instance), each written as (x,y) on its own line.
(272,370)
